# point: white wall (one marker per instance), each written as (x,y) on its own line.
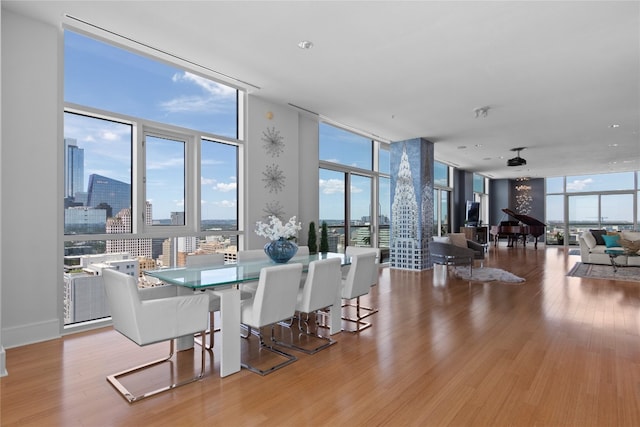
(263,115)
(31,177)
(309,207)
(3,365)
(30,196)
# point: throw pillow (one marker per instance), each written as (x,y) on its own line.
(441,239)
(612,241)
(589,239)
(598,235)
(458,239)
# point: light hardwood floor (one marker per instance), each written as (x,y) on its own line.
(554,351)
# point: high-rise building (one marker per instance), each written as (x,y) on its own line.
(74,168)
(84,295)
(81,219)
(108,193)
(84,298)
(121,224)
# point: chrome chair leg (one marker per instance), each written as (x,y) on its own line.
(306,331)
(269,347)
(211,331)
(359,307)
(130,397)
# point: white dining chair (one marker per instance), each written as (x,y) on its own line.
(203,260)
(375,272)
(149,317)
(251,255)
(319,292)
(356,250)
(357,284)
(273,302)
(302,251)
(211,260)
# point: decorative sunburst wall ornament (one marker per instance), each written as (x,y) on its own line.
(273,178)
(273,142)
(273,208)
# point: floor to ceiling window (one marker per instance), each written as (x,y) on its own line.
(442,179)
(481,195)
(583,202)
(354,189)
(151,168)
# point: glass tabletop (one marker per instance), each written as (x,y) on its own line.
(229,274)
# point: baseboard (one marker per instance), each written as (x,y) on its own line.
(31,333)
(3,364)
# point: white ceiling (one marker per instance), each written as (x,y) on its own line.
(556,75)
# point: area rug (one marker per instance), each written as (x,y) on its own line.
(485,274)
(601,271)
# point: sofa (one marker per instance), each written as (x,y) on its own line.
(593,244)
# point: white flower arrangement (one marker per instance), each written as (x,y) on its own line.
(275,229)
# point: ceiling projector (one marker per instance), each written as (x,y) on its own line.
(517,161)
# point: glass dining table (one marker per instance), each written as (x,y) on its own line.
(217,279)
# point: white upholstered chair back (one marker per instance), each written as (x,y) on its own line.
(321,285)
(124,303)
(152,320)
(204,260)
(360,275)
(302,251)
(252,255)
(275,297)
(357,250)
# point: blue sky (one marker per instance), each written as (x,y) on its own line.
(108,78)
(112,79)
(347,148)
(584,207)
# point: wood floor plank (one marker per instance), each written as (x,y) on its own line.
(553,351)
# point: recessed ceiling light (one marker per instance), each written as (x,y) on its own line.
(613,145)
(478,145)
(305,44)
(462,147)
(487,158)
(614,126)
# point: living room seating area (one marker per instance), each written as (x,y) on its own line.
(594,243)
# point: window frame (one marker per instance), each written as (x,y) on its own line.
(192,176)
(373,174)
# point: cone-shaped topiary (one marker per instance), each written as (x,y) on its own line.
(324,238)
(311,241)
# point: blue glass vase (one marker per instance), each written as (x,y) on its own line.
(281,250)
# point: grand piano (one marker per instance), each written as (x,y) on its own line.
(517,230)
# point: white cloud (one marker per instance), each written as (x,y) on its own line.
(225,187)
(207,181)
(110,136)
(226,204)
(579,184)
(169,163)
(215,89)
(214,95)
(331,186)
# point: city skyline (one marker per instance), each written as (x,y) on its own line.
(109,78)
